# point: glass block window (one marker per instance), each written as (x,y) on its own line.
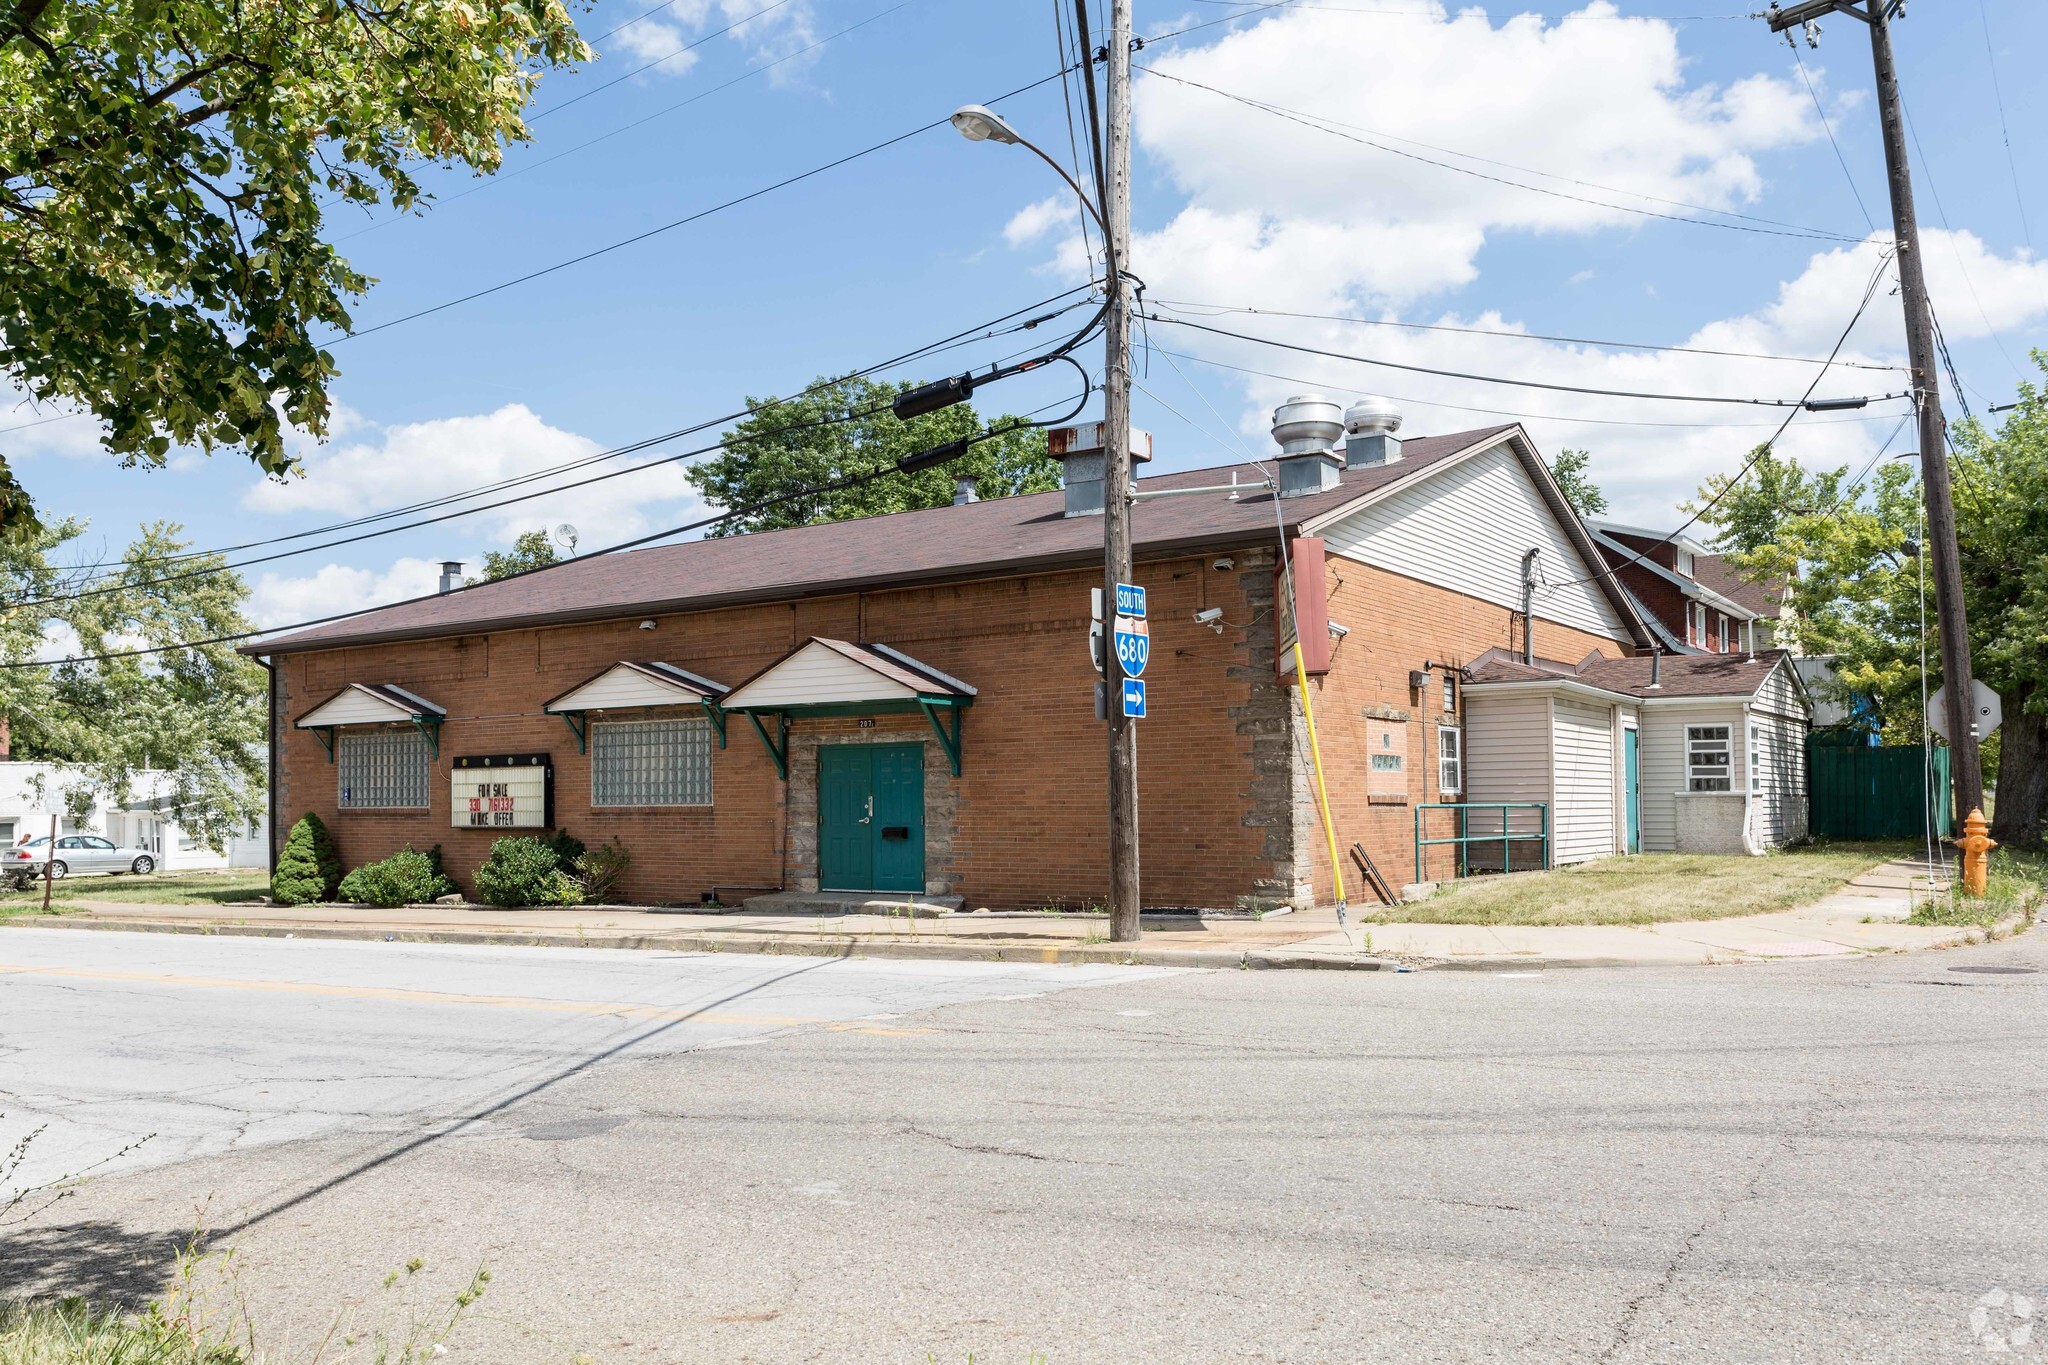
(650,763)
(1708,759)
(382,769)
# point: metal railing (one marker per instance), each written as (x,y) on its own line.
(1464,839)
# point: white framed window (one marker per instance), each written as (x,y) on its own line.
(1451,690)
(650,762)
(382,769)
(1708,759)
(1695,624)
(1450,760)
(1725,623)
(1685,564)
(1756,772)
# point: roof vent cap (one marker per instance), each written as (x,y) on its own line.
(1307,424)
(1370,425)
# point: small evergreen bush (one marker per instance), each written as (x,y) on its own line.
(602,869)
(407,877)
(309,868)
(525,871)
(567,849)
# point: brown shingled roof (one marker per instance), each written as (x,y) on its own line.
(1681,675)
(1716,574)
(995,537)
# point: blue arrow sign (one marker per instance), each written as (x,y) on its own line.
(1130,600)
(1134,698)
(1133,640)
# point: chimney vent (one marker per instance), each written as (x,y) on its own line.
(451,575)
(963,490)
(1307,427)
(1370,425)
(1079,450)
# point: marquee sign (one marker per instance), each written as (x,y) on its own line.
(502,791)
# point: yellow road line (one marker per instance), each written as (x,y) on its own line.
(519,1002)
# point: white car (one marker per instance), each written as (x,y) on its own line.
(76,854)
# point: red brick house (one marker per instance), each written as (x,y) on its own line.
(1692,598)
(905,704)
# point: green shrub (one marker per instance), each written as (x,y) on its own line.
(309,868)
(602,869)
(567,849)
(525,871)
(405,878)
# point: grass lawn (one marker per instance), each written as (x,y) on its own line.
(1649,888)
(161,888)
(2017,880)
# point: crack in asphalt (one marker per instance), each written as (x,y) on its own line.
(987,1149)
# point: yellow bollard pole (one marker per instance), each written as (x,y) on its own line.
(1308,713)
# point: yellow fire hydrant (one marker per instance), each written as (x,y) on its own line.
(1976,845)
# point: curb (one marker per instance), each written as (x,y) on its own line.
(1213,959)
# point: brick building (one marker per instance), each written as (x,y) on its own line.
(1692,598)
(905,703)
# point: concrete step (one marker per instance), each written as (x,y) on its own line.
(851,903)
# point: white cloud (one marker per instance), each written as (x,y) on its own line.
(651,41)
(670,38)
(1592,97)
(1034,221)
(420,461)
(277,600)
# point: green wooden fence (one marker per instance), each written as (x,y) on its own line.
(1877,793)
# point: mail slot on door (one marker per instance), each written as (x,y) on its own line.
(895,831)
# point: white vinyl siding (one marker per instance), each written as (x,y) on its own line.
(1466,528)
(650,763)
(621,688)
(357,707)
(1778,796)
(1507,758)
(382,769)
(817,675)
(1582,812)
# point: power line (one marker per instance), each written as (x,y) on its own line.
(969,336)
(501,177)
(125,585)
(649,66)
(1793,403)
(1337,129)
(1927,171)
(1756,457)
(2005,130)
(638,237)
(1829,129)
(923,460)
(1181,304)
(1509,412)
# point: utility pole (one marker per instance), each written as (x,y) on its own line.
(1124,924)
(1934,473)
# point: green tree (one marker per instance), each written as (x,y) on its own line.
(195,712)
(1576,483)
(165,170)
(818,451)
(532,550)
(1857,592)
(308,867)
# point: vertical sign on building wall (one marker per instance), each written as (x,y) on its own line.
(502,791)
(1306,614)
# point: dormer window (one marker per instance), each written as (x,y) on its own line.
(1685,562)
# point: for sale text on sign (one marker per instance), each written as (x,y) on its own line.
(501,791)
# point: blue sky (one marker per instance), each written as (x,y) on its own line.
(1235,207)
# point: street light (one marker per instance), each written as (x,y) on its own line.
(979,123)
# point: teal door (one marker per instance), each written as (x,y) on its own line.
(871,817)
(1632,783)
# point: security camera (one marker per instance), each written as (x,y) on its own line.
(1338,632)
(1208,614)
(647,625)
(1224,564)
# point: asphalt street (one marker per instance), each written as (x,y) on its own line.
(793,1160)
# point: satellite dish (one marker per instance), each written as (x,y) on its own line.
(565,536)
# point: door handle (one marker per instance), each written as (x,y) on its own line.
(870,816)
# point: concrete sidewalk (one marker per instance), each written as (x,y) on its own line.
(1866,916)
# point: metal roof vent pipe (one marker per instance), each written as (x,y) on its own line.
(451,575)
(1656,666)
(1369,427)
(963,490)
(1307,427)
(1079,449)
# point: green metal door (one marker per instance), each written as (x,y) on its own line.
(1632,779)
(871,817)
